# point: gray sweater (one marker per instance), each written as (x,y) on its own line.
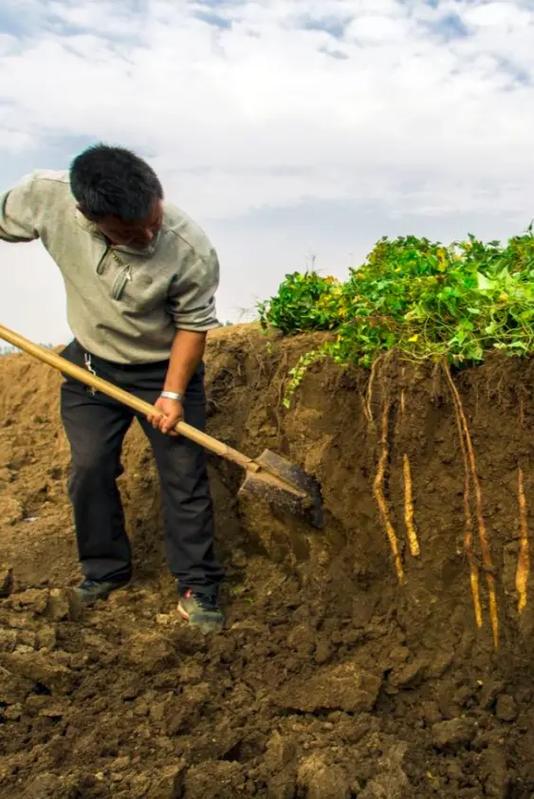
(124,305)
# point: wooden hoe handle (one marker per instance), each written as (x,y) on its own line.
(139,405)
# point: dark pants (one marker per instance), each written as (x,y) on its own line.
(96,426)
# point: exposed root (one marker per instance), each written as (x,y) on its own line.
(468,531)
(411,532)
(482,532)
(523,561)
(493,608)
(368,407)
(378,490)
(468,518)
(260,372)
(402,393)
(475,592)
(399,417)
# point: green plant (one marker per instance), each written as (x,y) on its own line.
(296,374)
(303,302)
(420,297)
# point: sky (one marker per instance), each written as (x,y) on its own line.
(296,132)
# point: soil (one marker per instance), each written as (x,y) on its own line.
(333,677)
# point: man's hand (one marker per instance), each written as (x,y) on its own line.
(172,412)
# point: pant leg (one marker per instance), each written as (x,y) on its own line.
(95,427)
(187,504)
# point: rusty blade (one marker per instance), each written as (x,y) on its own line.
(284,485)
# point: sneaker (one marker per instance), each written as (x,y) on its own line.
(201,610)
(89,591)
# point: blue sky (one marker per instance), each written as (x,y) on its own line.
(294,131)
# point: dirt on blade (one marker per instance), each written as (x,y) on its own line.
(335,678)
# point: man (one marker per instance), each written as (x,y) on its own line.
(140,279)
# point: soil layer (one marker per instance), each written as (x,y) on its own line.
(386,656)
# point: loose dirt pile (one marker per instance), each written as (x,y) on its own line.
(352,664)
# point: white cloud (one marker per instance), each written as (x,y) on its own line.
(505,15)
(429,109)
(377,29)
(15,141)
(7,43)
(264,93)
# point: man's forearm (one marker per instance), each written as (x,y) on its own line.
(186,354)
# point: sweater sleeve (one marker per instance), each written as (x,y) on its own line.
(19,211)
(192,294)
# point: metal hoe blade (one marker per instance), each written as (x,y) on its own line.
(284,485)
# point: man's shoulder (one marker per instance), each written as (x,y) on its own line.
(49,181)
(55,175)
(52,176)
(179,225)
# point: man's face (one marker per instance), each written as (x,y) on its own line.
(138,234)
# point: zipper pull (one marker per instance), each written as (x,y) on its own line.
(120,282)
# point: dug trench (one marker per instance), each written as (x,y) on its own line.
(388,655)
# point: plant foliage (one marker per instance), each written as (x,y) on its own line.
(420,297)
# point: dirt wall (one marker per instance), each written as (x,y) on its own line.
(387,655)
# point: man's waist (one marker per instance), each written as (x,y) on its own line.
(104,363)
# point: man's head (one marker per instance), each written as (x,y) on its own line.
(120,193)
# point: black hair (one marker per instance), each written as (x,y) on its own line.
(112,180)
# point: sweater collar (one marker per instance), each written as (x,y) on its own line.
(94,231)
